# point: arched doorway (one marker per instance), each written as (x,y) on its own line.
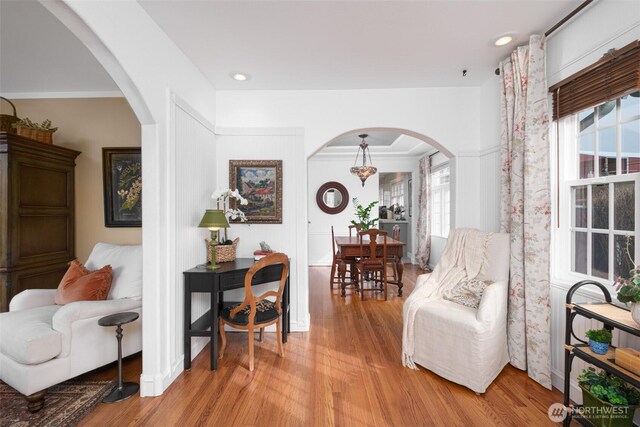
(175,110)
(393,151)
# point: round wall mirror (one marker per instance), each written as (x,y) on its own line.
(332,197)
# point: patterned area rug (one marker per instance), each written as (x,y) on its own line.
(65,404)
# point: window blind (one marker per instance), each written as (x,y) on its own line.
(615,75)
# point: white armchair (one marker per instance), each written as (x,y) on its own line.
(462,344)
(43,344)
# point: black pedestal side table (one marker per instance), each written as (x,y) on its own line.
(124,390)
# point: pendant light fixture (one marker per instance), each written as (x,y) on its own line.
(363,172)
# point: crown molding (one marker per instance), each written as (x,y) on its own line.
(63,95)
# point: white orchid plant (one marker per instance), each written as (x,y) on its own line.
(222,198)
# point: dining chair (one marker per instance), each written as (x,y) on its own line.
(336,278)
(257,312)
(354,228)
(373,260)
(395,235)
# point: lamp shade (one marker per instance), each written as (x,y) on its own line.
(365,171)
(214,218)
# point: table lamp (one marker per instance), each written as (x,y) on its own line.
(214,220)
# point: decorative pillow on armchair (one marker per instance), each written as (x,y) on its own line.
(81,284)
(468,293)
(126,261)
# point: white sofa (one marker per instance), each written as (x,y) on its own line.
(43,344)
(462,344)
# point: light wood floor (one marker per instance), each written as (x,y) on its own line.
(345,371)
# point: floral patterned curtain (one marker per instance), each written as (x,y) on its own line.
(424,214)
(525,206)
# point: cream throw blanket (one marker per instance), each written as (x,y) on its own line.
(462,260)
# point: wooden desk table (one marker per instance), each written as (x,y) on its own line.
(349,247)
(229,276)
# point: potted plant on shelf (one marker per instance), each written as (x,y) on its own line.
(629,288)
(42,132)
(607,400)
(599,340)
(362,214)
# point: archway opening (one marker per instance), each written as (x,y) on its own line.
(396,154)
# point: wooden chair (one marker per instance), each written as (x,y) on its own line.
(375,264)
(354,228)
(336,278)
(395,235)
(257,312)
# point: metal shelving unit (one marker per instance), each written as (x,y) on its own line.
(613,317)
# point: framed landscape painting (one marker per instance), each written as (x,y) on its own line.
(122,182)
(260,182)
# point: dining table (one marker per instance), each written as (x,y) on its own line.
(350,250)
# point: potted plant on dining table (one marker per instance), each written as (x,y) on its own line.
(362,221)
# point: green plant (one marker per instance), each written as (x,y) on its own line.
(362,215)
(27,123)
(599,335)
(608,388)
(629,288)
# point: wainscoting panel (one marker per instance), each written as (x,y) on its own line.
(490,176)
(320,248)
(289,237)
(194,181)
(477,189)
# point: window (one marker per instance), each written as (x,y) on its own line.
(604,187)
(440,207)
(384,197)
(397,194)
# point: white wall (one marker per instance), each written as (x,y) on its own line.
(490,166)
(331,168)
(289,237)
(193,150)
(602,26)
(448,117)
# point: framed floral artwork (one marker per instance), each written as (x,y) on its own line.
(122,183)
(260,182)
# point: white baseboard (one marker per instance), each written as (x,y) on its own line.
(197,345)
(155,385)
(303,326)
(176,370)
(151,385)
(557,380)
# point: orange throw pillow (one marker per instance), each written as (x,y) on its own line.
(80,284)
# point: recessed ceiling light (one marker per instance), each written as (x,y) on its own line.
(504,39)
(240,76)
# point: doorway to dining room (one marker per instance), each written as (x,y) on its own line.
(396,154)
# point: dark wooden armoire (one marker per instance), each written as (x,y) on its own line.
(37,214)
